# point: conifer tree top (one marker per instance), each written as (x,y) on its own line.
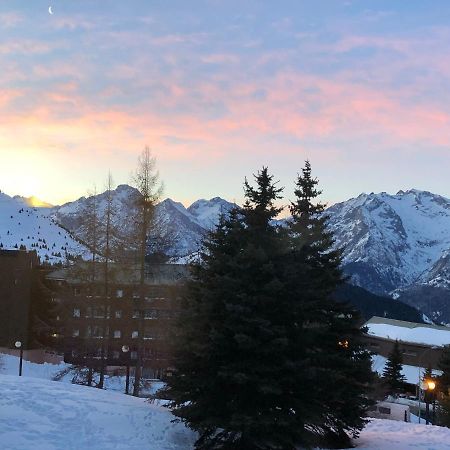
(260,206)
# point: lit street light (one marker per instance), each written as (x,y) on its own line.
(434,347)
(429,386)
(18,344)
(126,351)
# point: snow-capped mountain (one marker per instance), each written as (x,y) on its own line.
(392,241)
(34,229)
(186,226)
(70,214)
(397,244)
(206,212)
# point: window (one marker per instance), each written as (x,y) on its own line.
(151,314)
(133,355)
(76,292)
(94,331)
(75,332)
(119,293)
(136,314)
(76,312)
(117,334)
(118,314)
(89,312)
(384,410)
(409,353)
(116,354)
(134,334)
(99,312)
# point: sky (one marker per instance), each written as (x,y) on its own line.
(217,89)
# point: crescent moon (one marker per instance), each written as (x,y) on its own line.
(50,10)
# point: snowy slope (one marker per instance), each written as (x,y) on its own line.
(35,229)
(46,415)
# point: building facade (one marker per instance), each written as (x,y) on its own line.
(16,281)
(99,320)
(421,344)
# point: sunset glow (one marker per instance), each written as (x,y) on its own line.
(219,89)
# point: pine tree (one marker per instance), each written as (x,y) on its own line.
(444,366)
(265,358)
(392,373)
(326,335)
(229,354)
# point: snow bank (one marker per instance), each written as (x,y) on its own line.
(382,434)
(37,414)
(9,365)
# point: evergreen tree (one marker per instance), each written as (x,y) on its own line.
(326,333)
(229,354)
(444,366)
(392,372)
(265,359)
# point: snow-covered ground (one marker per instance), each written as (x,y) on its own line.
(38,414)
(382,434)
(9,365)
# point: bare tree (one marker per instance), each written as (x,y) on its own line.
(107,219)
(90,235)
(146,181)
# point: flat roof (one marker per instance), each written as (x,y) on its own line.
(417,333)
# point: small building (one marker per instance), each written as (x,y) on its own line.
(98,319)
(391,411)
(421,344)
(16,280)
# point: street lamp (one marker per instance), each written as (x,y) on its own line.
(126,350)
(18,344)
(434,347)
(429,386)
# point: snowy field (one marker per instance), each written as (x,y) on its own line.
(38,414)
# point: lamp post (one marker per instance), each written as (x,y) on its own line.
(126,351)
(428,386)
(434,347)
(18,344)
